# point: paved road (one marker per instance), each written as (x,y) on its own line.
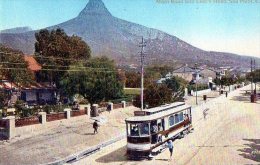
(62,139)
(229,135)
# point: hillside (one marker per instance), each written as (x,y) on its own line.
(118,39)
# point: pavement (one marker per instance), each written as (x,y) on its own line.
(229,134)
(63,139)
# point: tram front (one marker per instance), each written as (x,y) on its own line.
(138,139)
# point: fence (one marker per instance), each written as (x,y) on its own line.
(77,113)
(56,116)
(27,121)
(117,106)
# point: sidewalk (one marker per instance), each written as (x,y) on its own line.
(228,135)
(62,140)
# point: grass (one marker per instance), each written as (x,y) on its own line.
(132,91)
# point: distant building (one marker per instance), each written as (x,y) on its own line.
(35,93)
(185,72)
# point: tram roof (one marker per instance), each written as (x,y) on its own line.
(164,107)
(158,115)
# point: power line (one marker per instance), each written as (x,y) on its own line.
(62,70)
(71,66)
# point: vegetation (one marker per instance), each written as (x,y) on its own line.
(56,50)
(132,91)
(3,98)
(97,81)
(158,94)
(154,95)
(199,87)
(13,67)
(255,76)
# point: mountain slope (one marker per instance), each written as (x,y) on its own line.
(108,35)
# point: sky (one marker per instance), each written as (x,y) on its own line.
(225,27)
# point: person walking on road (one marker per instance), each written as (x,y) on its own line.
(226,94)
(170,146)
(95,126)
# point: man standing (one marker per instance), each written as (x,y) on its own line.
(95,126)
(170,146)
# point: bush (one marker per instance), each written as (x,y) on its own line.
(199,87)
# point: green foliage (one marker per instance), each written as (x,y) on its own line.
(58,51)
(199,87)
(3,98)
(177,85)
(255,76)
(14,67)
(133,80)
(132,91)
(97,81)
(155,95)
(162,70)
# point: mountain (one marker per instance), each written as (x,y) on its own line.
(119,39)
(17,30)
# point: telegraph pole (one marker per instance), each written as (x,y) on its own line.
(251,76)
(142,55)
(196,83)
(255,74)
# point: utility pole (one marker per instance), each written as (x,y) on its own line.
(142,55)
(251,76)
(196,79)
(255,74)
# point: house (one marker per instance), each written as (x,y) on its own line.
(35,93)
(206,73)
(186,73)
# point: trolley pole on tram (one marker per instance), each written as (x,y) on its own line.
(142,54)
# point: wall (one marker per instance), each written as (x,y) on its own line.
(202,92)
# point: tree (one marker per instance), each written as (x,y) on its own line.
(255,75)
(133,79)
(3,98)
(96,81)
(13,67)
(177,86)
(56,50)
(155,95)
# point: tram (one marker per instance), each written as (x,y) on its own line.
(149,129)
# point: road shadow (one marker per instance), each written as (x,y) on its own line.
(115,156)
(252,150)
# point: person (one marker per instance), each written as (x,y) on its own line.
(95,126)
(170,146)
(226,94)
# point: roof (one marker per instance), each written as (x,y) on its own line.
(158,115)
(184,69)
(164,107)
(33,65)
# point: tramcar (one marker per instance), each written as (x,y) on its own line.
(149,129)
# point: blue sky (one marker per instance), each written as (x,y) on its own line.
(227,27)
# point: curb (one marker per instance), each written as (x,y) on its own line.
(82,154)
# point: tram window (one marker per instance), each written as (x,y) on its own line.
(144,129)
(134,130)
(171,120)
(181,116)
(177,120)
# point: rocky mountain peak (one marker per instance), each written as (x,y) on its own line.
(95,7)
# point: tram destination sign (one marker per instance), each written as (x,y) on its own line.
(139,113)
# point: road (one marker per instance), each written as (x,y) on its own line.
(229,135)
